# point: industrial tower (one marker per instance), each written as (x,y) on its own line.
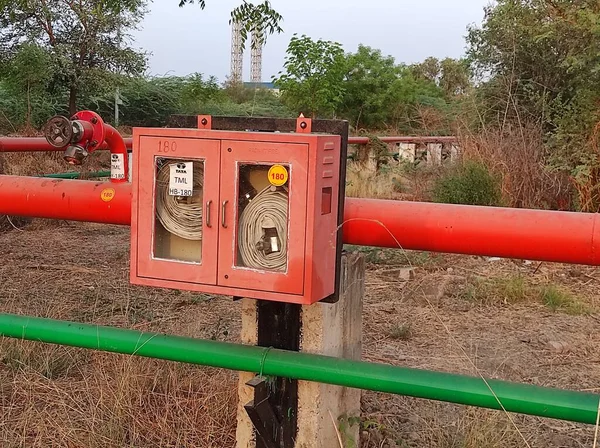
(237,54)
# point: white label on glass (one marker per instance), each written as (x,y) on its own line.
(181,180)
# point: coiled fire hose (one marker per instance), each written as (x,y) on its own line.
(262,233)
(181,216)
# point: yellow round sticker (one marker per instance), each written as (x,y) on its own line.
(278,175)
(107,194)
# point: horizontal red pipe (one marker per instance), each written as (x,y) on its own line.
(35,144)
(564,237)
(76,200)
(504,232)
(404,139)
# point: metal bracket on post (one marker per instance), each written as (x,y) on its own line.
(262,414)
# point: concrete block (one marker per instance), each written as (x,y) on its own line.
(454,153)
(245,437)
(333,330)
(328,329)
(434,154)
(406,151)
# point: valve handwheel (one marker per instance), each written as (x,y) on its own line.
(58,131)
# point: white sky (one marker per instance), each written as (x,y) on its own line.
(187,40)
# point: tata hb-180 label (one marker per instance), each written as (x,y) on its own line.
(181,179)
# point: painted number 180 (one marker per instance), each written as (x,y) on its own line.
(167,146)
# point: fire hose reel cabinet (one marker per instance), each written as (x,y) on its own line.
(247,214)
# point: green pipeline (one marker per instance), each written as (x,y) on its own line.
(77,175)
(453,388)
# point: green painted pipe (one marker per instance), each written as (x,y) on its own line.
(473,391)
(77,175)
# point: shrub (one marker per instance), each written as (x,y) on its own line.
(470,183)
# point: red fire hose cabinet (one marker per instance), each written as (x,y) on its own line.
(245,214)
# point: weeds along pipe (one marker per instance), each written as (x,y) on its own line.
(521,398)
(563,237)
(77,200)
(404,139)
(39,144)
(77,175)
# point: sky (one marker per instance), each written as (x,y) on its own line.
(187,40)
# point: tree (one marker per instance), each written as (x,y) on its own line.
(413,98)
(86,40)
(429,69)
(453,76)
(368,97)
(313,78)
(27,75)
(542,52)
(379,94)
(537,62)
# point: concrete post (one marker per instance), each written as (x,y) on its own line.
(454,151)
(249,336)
(406,151)
(328,329)
(434,154)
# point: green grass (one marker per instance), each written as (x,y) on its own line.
(516,289)
(560,300)
(513,289)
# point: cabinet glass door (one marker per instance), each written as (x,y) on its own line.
(178,213)
(263,216)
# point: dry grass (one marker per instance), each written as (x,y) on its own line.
(394,180)
(39,163)
(57,396)
(100,400)
(518,156)
(367,183)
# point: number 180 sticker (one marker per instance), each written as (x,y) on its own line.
(278,175)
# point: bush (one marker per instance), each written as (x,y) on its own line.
(470,183)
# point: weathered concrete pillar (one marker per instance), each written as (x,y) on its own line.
(434,154)
(249,336)
(454,153)
(406,151)
(328,329)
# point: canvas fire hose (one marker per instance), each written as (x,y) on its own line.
(262,227)
(181,216)
(262,233)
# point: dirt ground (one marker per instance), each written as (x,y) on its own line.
(510,319)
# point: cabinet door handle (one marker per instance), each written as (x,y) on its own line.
(208,204)
(223,214)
